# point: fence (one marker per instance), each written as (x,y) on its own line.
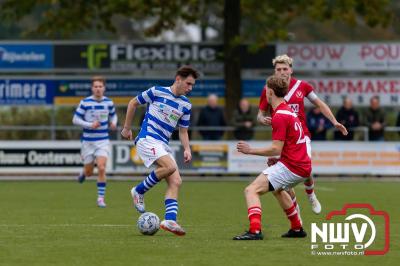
(209,157)
(74,131)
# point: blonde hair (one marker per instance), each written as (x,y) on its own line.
(282,59)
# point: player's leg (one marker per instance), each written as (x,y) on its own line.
(102,151)
(87,154)
(292,195)
(152,153)
(252,193)
(165,166)
(101,162)
(282,179)
(82,176)
(309,186)
(312,198)
(285,201)
(170,224)
(87,171)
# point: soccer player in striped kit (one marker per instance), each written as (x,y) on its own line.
(298,91)
(167,107)
(96,115)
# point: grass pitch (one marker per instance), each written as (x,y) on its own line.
(58,223)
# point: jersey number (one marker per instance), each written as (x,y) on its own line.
(302,138)
(153,150)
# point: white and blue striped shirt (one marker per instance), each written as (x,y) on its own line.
(164,112)
(90,110)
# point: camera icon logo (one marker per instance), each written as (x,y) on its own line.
(357,230)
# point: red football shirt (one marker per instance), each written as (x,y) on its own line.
(286,126)
(298,90)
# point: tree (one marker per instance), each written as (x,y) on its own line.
(246,21)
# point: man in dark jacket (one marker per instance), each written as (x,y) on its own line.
(318,124)
(211,116)
(348,117)
(375,120)
(243,120)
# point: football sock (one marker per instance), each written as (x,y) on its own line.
(293,217)
(101,189)
(309,187)
(150,181)
(254,215)
(294,201)
(171,209)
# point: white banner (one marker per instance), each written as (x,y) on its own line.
(28,157)
(360,90)
(333,158)
(343,57)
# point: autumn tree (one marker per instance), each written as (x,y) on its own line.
(253,22)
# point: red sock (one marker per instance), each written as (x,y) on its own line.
(294,200)
(309,186)
(292,215)
(254,214)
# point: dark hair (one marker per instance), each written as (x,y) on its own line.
(99,78)
(279,85)
(375,97)
(186,71)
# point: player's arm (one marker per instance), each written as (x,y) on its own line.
(113,118)
(78,119)
(326,111)
(274,150)
(184,137)
(130,113)
(263,118)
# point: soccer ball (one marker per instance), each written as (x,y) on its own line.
(148,223)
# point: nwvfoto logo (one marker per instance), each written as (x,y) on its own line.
(349,235)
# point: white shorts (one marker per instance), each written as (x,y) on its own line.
(281,177)
(92,149)
(150,150)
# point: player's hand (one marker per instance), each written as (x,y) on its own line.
(376,126)
(96,124)
(341,128)
(243,147)
(272,160)
(126,133)
(266,121)
(113,126)
(248,124)
(187,156)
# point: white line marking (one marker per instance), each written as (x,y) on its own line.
(67,225)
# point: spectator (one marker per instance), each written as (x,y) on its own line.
(318,124)
(375,120)
(244,121)
(211,116)
(348,117)
(398,122)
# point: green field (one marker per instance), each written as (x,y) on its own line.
(58,223)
